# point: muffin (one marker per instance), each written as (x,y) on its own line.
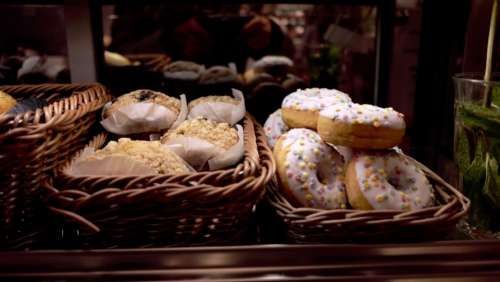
(206,144)
(183,70)
(127,157)
(277,66)
(218,75)
(219,108)
(6,102)
(143,111)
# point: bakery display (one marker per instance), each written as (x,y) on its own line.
(219,75)
(361,126)
(274,65)
(183,71)
(143,111)
(6,102)
(202,142)
(129,157)
(274,127)
(310,172)
(219,108)
(301,108)
(384,180)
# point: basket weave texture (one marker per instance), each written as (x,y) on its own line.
(33,144)
(151,62)
(202,208)
(309,225)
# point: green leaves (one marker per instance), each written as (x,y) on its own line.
(491,188)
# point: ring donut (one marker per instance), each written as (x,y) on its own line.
(274,127)
(386,180)
(311,173)
(361,126)
(300,109)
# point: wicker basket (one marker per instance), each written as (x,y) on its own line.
(309,225)
(35,143)
(191,209)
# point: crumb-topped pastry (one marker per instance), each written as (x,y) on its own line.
(150,153)
(145,96)
(220,134)
(225,109)
(209,99)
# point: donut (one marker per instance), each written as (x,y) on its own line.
(274,127)
(361,126)
(310,172)
(386,180)
(300,109)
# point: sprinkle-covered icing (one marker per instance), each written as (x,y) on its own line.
(274,127)
(314,99)
(314,170)
(365,114)
(390,181)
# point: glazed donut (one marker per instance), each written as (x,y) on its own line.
(300,109)
(310,172)
(361,126)
(386,180)
(274,127)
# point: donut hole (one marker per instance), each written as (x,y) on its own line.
(323,173)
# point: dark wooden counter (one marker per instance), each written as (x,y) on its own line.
(441,261)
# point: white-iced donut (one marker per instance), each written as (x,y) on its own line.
(301,108)
(361,126)
(386,180)
(310,172)
(274,127)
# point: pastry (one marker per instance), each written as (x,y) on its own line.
(384,180)
(127,157)
(218,75)
(183,70)
(310,172)
(115,59)
(143,111)
(274,127)
(300,109)
(361,126)
(6,102)
(277,66)
(219,108)
(203,142)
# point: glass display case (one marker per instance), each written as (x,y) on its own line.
(233,224)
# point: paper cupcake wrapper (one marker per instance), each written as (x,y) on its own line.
(143,117)
(219,111)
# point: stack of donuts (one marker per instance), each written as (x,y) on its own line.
(332,153)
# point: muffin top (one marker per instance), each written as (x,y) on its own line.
(151,153)
(145,96)
(218,74)
(179,66)
(220,134)
(213,99)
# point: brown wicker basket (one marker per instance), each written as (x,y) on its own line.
(190,209)
(35,143)
(309,225)
(152,62)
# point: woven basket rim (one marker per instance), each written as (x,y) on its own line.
(455,207)
(254,140)
(58,112)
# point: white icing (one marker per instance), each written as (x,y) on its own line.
(272,61)
(314,170)
(388,180)
(314,99)
(365,114)
(274,127)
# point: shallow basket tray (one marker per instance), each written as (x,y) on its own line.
(310,225)
(202,208)
(33,144)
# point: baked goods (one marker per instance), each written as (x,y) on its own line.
(6,102)
(204,142)
(310,172)
(300,109)
(274,65)
(386,180)
(183,70)
(361,126)
(127,157)
(115,59)
(274,127)
(219,108)
(293,82)
(218,75)
(143,111)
